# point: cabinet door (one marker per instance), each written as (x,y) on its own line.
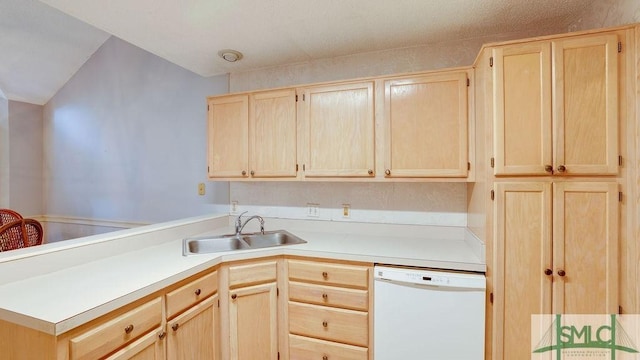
(272,134)
(522,109)
(228,136)
(148,347)
(426,126)
(253,322)
(339,130)
(586,104)
(194,334)
(522,254)
(585,248)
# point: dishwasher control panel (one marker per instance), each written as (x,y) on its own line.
(430,277)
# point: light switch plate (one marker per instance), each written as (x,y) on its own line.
(201,189)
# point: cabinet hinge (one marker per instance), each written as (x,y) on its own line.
(493,194)
(619,46)
(493,162)
(619,160)
(303,97)
(278,355)
(491,61)
(218,302)
(620,309)
(207,169)
(491,298)
(620,196)
(207,107)
(277,291)
(296,98)
(468,166)
(468,82)
(303,167)
(296,167)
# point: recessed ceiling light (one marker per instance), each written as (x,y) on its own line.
(230,55)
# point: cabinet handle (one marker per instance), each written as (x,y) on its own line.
(562,168)
(252,172)
(128,329)
(548,168)
(325,296)
(325,324)
(387,172)
(244,173)
(548,271)
(198,291)
(561,272)
(175,326)
(370,172)
(234,296)
(325,357)
(325,274)
(161,335)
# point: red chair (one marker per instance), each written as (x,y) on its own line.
(7,216)
(20,234)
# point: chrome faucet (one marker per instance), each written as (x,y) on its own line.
(240,225)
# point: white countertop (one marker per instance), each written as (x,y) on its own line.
(55,302)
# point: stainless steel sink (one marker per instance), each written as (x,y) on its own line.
(210,244)
(272,238)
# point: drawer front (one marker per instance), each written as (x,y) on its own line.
(329,295)
(331,274)
(304,348)
(188,295)
(254,273)
(345,326)
(109,336)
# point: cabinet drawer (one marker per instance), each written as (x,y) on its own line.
(111,335)
(347,326)
(182,298)
(329,295)
(304,348)
(254,273)
(328,273)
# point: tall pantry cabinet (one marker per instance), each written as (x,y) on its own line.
(555,132)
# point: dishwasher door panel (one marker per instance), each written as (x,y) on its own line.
(422,322)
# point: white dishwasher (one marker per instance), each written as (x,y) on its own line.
(422,314)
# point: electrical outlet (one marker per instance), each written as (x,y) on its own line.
(312,210)
(201,189)
(234,207)
(346,210)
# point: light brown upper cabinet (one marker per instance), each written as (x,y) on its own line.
(253,135)
(556,107)
(228,128)
(426,121)
(272,134)
(338,130)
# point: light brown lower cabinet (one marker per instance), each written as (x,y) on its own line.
(328,310)
(148,347)
(556,251)
(301,347)
(252,311)
(193,334)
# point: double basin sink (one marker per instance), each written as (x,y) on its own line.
(231,242)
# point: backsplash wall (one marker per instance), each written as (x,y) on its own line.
(392,203)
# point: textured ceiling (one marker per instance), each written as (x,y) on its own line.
(190,33)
